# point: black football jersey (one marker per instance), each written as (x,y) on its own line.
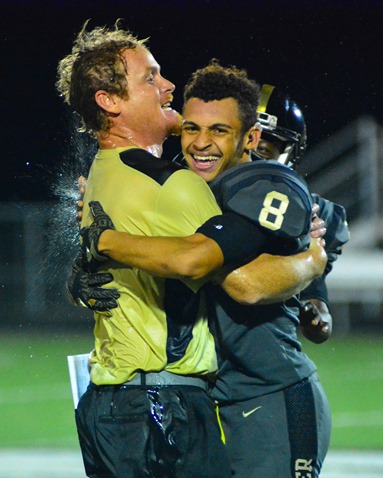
(273,197)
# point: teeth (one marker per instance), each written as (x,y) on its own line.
(166,106)
(205,158)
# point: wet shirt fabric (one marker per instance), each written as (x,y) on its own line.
(145,195)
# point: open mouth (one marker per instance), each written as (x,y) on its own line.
(205,163)
(205,159)
(167,106)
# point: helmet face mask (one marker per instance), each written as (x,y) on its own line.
(287,156)
(282,124)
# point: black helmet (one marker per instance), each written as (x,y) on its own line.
(282,123)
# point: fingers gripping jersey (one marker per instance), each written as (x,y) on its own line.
(272,196)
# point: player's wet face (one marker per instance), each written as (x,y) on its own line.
(212,140)
(148,107)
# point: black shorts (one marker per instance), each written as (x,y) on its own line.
(161,432)
(282,434)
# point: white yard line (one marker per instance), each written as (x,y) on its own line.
(40,464)
(353,464)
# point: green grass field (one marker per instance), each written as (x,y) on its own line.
(36,405)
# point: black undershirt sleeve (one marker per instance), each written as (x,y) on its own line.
(239,239)
(316,290)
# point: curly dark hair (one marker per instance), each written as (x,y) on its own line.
(95,63)
(215,82)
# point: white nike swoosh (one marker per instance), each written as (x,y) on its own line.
(246,414)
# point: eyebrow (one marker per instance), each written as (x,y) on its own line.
(213,126)
(153,69)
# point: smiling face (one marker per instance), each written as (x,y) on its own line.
(143,117)
(212,139)
(148,107)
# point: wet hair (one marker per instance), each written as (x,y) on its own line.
(95,63)
(215,82)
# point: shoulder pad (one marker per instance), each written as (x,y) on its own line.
(269,194)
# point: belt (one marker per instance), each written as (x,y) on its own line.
(165,379)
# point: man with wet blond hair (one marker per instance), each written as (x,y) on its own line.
(146,411)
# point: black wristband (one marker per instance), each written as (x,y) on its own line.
(239,239)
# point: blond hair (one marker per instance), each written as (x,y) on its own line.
(96,62)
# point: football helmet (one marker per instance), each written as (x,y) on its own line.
(283,125)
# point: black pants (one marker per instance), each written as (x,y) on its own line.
(161,432)
(285,434)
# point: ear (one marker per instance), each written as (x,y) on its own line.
(252,137)
(107,102)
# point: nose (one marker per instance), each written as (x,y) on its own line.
(168,86)
(202,140)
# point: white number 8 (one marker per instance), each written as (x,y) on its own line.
(274,223)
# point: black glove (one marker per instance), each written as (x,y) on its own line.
(91,235)
(84,289)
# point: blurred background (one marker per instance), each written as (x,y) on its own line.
(325,54)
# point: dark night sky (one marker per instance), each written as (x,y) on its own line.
(326,54)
